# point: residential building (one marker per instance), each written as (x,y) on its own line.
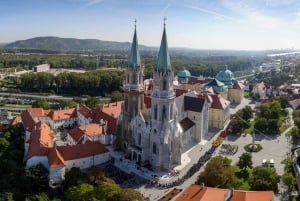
(203,193)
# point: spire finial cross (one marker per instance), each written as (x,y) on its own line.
(165,19)
(135,23)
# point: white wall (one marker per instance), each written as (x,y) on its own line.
(87,162)
(34,160)
(57,174)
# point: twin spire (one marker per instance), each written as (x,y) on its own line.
(163,60)
(134,58)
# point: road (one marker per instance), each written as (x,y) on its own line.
(51,97)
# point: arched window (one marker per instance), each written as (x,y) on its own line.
(139,139)
(171,111)
(164,84)
(154,148)
(155,112)
(163,116)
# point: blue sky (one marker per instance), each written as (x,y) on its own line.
(202,24)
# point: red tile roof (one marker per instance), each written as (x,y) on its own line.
(112,109)
(55,159)
(81,150)
(85,111)
(237,85)
(62,114)
(76,133)
(219,102)
(40,140)
(90,130)
(198,193)
(27,120)
(36,112)
(110,112)
(179,92)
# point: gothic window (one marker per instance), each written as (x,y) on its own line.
(171,111)
(164,113)
(126,103)
(128,78)
(155,112)
(154,148)
(133,79)
(139,139)
(164,84)
(141,102)
(154,131)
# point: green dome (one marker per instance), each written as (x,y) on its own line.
(184,73)
(225,76)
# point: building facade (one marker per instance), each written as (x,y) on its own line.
(159,135)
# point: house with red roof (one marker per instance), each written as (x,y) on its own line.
(203,193)
(260,89)
(83,147)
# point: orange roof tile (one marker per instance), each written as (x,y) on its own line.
(219,102)
(237,85)
(196,193)
(62,114)
(37,112)
(27,120)
(81,150)
(85,111)
(112,109)
(76,133)
(92,129)
(40,140)
(55,159)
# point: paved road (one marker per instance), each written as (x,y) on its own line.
(50,97)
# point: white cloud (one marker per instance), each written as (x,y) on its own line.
(215,14)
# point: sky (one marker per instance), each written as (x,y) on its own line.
(199,24)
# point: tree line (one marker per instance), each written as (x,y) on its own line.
(95,83)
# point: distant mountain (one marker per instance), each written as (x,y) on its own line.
(71,44)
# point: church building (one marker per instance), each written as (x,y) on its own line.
(159,135)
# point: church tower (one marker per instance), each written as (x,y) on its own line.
(133,94)
(162,110)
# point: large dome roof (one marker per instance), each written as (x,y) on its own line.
(225,76)
(184,73)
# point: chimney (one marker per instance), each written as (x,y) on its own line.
(202,185)
(101,107)
(77,106)
(228,195)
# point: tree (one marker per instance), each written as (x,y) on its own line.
(82,192)
(289,180)
(116,96)
(92,102)
(38,197)
(273,126)
(107,189)
(127,195)
(264,178)
(237,125)
(73,177)
(247,113)
(245,160)
(41,102)
(217,173)
(297,122)
(261,125)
